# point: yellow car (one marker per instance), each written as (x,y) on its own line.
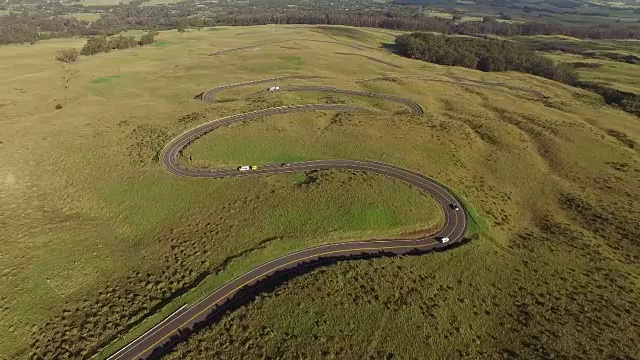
(254,167)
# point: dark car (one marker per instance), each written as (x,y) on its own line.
(455,207)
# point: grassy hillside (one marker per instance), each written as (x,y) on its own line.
(108,237)
(618,75)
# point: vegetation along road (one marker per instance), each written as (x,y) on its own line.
(186,319)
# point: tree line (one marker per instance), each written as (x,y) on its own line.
(100,44)
(103,44)
(33,27)
(481,54)
(401,19)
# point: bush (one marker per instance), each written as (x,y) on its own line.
(146,39)
(67,55)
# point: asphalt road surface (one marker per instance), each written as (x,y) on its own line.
(180,324)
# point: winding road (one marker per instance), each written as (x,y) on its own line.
(183,322)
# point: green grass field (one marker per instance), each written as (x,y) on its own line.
(618,75)
(99,229)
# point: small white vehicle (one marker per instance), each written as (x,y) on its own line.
(455,207)
(274,88)
(247,167)
(444,240)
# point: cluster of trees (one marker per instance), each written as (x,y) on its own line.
(481,54)
(100,44)
(33,27)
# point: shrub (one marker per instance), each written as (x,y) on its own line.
(67,55)
(146,39)
(58,106)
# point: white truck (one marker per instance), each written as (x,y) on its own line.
(274,88)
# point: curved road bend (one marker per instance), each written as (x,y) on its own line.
(207,96)
(152,342)
(414,107)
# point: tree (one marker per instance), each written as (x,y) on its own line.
(67,55)
(182,25)
(467,59)
(198,23)
(504,16)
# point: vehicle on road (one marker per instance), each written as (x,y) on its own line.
(274,88)
(247,167)
(444,240)
(285,164)
(455,207)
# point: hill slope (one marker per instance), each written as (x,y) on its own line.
(100,229)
